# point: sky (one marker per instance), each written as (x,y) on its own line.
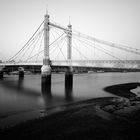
(117,21)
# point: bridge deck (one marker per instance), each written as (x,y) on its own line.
(82,63)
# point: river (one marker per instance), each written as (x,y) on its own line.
(22,100)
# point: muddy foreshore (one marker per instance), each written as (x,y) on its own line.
(109,118)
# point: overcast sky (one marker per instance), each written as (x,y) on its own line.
(117,21)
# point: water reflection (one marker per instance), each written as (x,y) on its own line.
(69,92)
(20,83)
(50,99)
(17,88)
(46,93)
(53,100)
(1,75)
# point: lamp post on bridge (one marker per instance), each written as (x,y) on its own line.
(46,69)
(69,72)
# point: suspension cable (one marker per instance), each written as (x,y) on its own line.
(55,48)
(34,45)
(79,51)
(27,41)
(39,47)
(34,40)
(115,45)
(43,49)
(100,50)
(61,48)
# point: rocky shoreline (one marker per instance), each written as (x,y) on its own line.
(109,118)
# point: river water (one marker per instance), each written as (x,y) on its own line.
(22,100)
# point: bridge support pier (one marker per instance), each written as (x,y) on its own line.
(46,75)
(1,74)
(1,71)
(21,72)
(68,88)
(69,78)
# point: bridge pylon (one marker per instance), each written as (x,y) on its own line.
(46,69)
(69,72)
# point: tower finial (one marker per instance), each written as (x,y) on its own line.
(69,21)
(46,9)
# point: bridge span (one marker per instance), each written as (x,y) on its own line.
(72,45)
(127,64)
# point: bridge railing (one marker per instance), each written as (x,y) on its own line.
(82,63)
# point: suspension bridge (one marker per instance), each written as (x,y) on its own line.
(55,45)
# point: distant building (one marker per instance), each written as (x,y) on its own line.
(0,61)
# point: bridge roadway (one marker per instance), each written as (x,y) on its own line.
(127,64)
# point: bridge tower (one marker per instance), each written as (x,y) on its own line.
(69,72)
(46,69)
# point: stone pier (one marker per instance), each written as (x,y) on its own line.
(21,72)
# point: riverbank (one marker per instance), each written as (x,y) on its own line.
(109,118)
